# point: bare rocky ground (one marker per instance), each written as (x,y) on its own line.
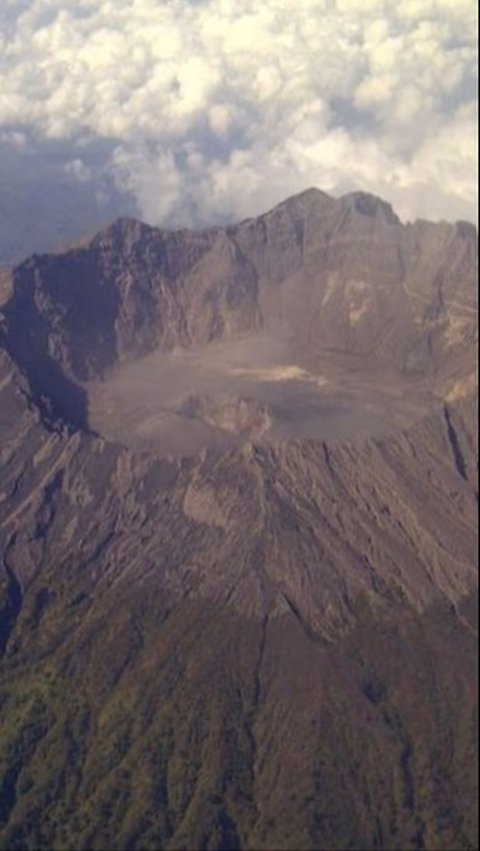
(252,388)
(238,527)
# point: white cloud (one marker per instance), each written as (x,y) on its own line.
(218,109)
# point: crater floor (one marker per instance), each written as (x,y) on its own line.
(254,388)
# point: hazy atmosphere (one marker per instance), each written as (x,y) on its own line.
(197,111)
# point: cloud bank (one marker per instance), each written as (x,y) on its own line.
(211,110)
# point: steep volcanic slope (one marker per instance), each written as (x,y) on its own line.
(270,645)
(342,274)
(339,287)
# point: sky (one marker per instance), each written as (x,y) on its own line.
(194,112)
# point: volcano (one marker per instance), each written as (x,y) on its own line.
(238,535)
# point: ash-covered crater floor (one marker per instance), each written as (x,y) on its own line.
(257,388)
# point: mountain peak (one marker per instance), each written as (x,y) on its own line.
(312,201)
(367,204)
(123,225)
(306,201)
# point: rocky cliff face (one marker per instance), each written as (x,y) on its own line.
(267,644)
(336,273)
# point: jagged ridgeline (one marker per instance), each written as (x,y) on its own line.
(238,536)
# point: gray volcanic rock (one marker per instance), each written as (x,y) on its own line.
(254,641)
(336,273)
